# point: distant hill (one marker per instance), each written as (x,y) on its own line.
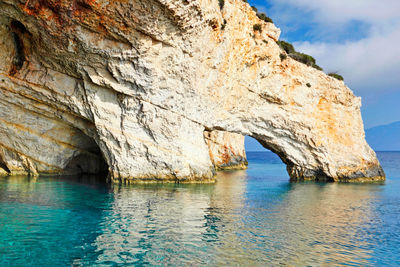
(384,137)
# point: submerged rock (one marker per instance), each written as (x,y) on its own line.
(133,86)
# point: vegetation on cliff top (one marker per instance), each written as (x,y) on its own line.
(336,76)
(285,46)
(262,16)
(301,57)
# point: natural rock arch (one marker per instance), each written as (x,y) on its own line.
(147,84)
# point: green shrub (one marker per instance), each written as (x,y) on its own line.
(264,17)
(303,58)
(257,27)
(315,66)
(261,15)
(221,4)
(283,56)
(336,76)
(288,47)
(308,85)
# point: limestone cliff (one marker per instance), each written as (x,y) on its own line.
(131,86)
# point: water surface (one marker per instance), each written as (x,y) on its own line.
(254,217)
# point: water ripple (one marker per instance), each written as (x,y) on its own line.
(248,218)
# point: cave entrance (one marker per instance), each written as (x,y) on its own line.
(264,160)
(88,161)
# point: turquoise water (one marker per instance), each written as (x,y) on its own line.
(254,217)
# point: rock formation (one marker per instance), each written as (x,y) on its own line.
(133,86)
(226,150)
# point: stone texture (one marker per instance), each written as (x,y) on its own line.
(226,150)
(137,83)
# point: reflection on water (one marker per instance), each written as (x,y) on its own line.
(252,217)
(168,224)
(324,224)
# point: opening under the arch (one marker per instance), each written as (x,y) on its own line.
(264,161)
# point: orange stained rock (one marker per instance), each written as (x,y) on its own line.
(329,125)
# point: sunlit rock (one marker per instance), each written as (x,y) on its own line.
(227,150)
(131,86)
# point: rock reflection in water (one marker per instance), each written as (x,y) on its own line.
(169,223)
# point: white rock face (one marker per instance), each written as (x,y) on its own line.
(137,83)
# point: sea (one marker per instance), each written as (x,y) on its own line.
(254,217)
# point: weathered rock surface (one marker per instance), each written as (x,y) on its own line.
(227,150)
(137,83)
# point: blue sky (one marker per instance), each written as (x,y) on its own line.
(360,39)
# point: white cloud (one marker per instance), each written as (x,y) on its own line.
(372,63)
(368,64)
(327,11)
